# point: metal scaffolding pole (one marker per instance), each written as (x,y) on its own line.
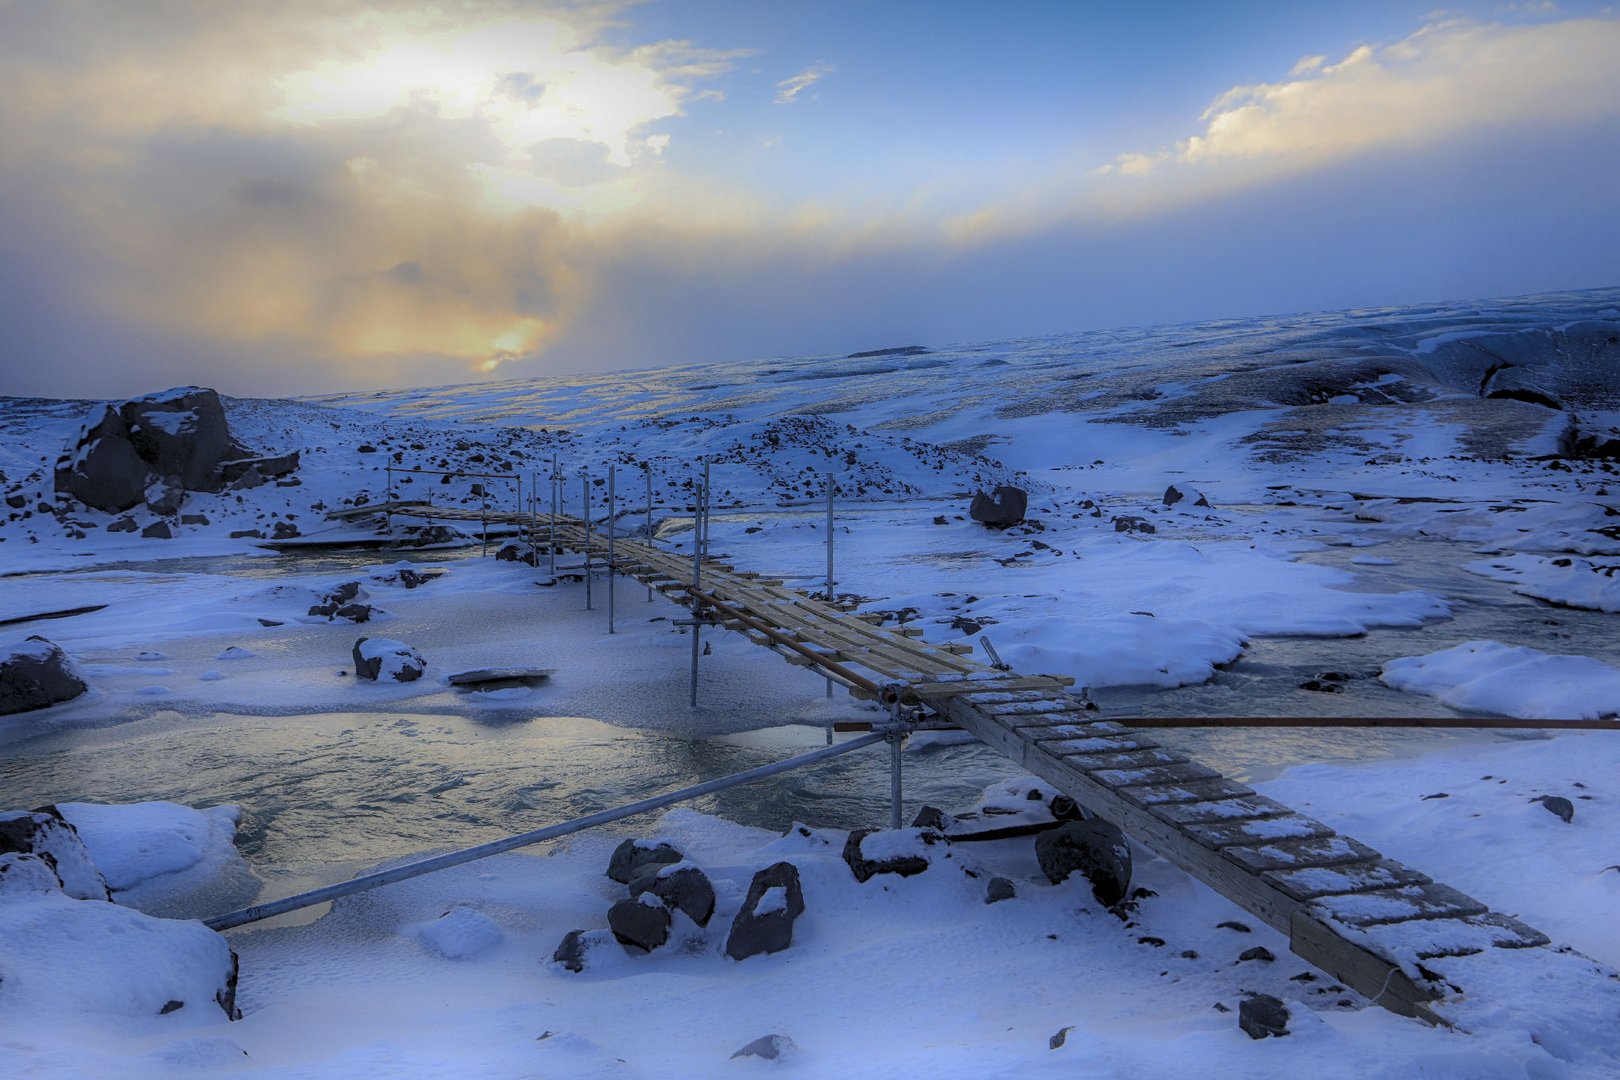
(585,516)
(551,539)
(612,527)
(697,581)
(648,467)
(829,555)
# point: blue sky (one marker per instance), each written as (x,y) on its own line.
(289,198)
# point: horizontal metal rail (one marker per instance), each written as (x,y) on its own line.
(1368,721)
(260,912)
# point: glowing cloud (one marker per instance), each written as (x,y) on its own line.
(1448,78)
(788,90)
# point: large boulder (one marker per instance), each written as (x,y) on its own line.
(27,875)
(679,886)
(102,469)
(46,833)
(1000,509)
(632,855)
(178,438)
(36,673)
(181,433)
(640,923)
(890,851)
(765,922)
(382,659)
(1096,849)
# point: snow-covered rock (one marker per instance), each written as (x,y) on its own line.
(27,875)
(86,957)
(459,933)
(36,673)
(47,833)
(164,858)
(381,659)
(763,926)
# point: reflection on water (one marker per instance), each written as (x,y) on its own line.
(330,789)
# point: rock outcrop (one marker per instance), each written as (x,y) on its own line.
(34,674)
(765,922)
(1093,847)
(1003,508)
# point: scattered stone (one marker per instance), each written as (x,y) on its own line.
(765,922)
(366,448)
(631,855)
(1321,687)
(1056,1041)
(36,673)
(285,530)
(249,479)
(932,817)
(123,524)
(500,678)
(158,530)
(518,551)
(769,1047)
(151,655)
(252,534)
(1132,523)
(999,889)
(1554,804)
(356,613)
(45,832)
(1063,808)
(641,922)
(194,519)
(164,495)
(1003,508)
(899,861)
(1233,924)
(267,467)
(571,951)
(1094,847)
(1261,1015)
(269,622)
(684,888)
(1173,495)
(377,658)
(1259,952)
(16,502)
(940,519)
(234,652)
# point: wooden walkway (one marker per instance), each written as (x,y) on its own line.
(1378,926)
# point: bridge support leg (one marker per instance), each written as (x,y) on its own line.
(612,522)
(699,497)
(896,736)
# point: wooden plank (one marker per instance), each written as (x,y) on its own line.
(1255,831)
(1429,900)
(1153,797)
(1369,974)
(1153,776)
(1222,810)
(1434,938)
(1311,882)
(1298,854)
(1114,761)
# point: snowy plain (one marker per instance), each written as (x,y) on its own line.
(1373,513)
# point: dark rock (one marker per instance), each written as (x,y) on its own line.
(181,433)
(375,657)
(1321,687)
(266,467)
(16,502)
(1057,1040)
(254,534)
(999,889)
(36,674)
(103,469)
(366,448)
(269,622)
(46,833)
(158,530)
(940,519)
(123,525)
(357,613)
(776,889)
(1173,495)
(572,949)
(1064,808)
(1259,952)
(519,552)
(631,855)
(1132,523)
(641,922)
(1095,848)
(898,350)
(1003,508)
(904,865)
(248,479)
(1261,1015)
(1233,924)
(194,519)
(684,888)
(284,530)
(1557,804)
(164,495)
(931,817)
(769,1047)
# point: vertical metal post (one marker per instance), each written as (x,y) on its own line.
(708,495)
(483,511)
(585,514)
(894,765)
(534,520)
(612,524)
(551,538)
(829,558)
(388,500)
(697,582)
(649,521)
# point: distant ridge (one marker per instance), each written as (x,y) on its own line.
(900,350)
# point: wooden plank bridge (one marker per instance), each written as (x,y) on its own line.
(1376,925)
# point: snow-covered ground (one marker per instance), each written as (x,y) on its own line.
(1373,514)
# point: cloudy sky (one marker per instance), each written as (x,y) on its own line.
(312,195)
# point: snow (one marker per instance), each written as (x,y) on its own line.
(772,900)
(1511,680)
(1396,522)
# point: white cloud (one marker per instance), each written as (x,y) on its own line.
(1448,78)
(788,90)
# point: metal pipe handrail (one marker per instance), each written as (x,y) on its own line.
(1366,721)
(260,912)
